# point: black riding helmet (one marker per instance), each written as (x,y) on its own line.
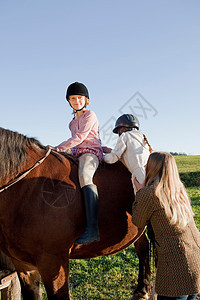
(77,88)
(126,120)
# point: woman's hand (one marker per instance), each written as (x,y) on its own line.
(106,149)
(138,185)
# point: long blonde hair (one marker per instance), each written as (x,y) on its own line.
(162,171)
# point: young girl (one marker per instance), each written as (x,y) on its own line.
(132,147)
(86,145)
(164,202)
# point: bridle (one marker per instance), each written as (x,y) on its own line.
(25,173)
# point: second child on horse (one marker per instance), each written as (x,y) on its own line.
(132,147)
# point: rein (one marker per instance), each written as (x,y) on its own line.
(25,173)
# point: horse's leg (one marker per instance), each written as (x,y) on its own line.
(142,250)
(54,270)
(29,280)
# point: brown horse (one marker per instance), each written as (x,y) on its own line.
(42,215)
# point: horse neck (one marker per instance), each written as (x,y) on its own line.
(33,154)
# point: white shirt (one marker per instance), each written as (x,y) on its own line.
(134,152)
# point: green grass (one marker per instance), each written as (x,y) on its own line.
(194,193)
(189,169)
(115,276)
(104,277)
(187,163)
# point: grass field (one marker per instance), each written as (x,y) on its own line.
(115,276)
(191,164)
(188,163)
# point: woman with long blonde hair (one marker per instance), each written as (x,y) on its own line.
(162,200)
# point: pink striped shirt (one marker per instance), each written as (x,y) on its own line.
(85,135)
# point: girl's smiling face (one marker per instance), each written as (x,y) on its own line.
(77,101)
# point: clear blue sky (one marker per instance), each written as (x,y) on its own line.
(140,57)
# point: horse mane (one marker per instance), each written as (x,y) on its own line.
(13,152)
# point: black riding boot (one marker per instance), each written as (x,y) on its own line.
(91,201)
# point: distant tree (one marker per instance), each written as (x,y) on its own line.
(178,153)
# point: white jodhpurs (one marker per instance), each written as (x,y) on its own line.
(88,164)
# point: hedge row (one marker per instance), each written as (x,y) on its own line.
(190,178)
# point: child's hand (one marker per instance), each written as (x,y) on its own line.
(106,149)
(69,151)
(51,147)
(138,185)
